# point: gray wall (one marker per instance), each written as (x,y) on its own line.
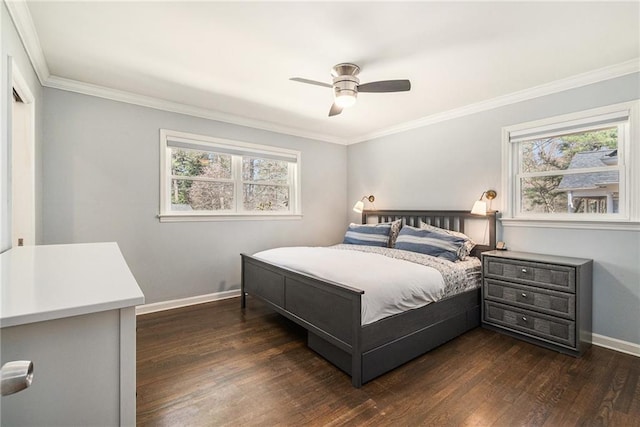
(12,48)
(101,183)
(449,164)
(97,180)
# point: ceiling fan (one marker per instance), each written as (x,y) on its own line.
(346,86)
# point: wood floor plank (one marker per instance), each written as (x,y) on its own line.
(214,364)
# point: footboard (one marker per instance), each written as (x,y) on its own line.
(328,310)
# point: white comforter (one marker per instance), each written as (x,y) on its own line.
(390,285)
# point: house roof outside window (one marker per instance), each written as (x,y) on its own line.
(591,180)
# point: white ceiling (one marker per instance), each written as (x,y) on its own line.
(236,58)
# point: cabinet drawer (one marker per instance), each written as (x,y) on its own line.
(546,301)
(538,325)
(557,277)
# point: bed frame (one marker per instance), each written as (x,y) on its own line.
(331,312)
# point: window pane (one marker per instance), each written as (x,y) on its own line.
(265,170)
(574,193)
(227,178)
(200,163)
(188,195)
(578,150)
(265,197)
(541,195)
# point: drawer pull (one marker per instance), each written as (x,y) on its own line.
(524,318)
(524,295)
(524,270)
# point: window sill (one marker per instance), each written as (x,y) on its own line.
(208,217)
(571,224)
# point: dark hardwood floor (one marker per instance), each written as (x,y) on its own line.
(213,364)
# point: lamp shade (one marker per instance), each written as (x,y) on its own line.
(359,206)
(479,208)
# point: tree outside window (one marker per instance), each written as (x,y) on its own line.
(205,178)
(265,184)
(570,173)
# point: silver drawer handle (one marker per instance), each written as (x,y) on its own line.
(524,270)
(524,318)
(524,295)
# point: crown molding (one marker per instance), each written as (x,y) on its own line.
(23,22)
(579,80)
(584,79)
(21,17)
(70,85)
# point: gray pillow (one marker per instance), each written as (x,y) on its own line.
(439,245)
(468,243)
(368,234)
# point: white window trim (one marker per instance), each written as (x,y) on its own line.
(166,215)
(629,220)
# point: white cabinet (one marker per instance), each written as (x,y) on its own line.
(71,310)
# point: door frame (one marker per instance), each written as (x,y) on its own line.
(19,84)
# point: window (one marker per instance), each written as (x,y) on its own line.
(573,168)
(210,178)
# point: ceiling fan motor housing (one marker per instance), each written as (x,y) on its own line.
(345,69)
(345,82)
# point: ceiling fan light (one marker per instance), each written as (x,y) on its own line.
(345,99)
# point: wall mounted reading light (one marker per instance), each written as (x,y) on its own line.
(480,207)
(359,206)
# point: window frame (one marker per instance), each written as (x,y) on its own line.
(237,149)
(628,217)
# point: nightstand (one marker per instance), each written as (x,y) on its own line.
(542,299)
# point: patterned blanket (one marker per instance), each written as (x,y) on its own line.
(458,276)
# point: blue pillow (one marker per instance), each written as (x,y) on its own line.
(368,234)
(428,242)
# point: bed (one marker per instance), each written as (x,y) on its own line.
(332,312)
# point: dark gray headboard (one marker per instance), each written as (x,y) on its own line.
(450,220)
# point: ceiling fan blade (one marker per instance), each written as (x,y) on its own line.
(386,86)
(311,82)
(335,110)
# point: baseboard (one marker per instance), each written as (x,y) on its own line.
(616,344)
(597,339)
(184,302)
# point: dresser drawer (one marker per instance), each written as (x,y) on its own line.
(549,276)
(538,325)
(549,302)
